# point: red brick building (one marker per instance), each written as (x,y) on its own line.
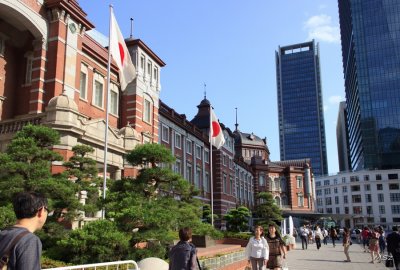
(53,71)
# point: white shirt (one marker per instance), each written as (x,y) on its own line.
(257,248)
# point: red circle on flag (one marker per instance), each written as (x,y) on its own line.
(216,129)
(121,53)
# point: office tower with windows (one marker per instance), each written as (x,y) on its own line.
(370,36)
(301,119)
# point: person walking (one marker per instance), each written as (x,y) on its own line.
(257,249)
(318,237)
(184,254)
(325,235)
(333,235)
(304,236)
(374,245)
(382,243)
(276,248)
(365,238)
(393,246)
(31,210)
(346,243)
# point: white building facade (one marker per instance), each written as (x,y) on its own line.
(360,198)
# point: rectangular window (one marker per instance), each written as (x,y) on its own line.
(149,68)
(328,201)
(147,111)
(326,182)
(165,133)
(381,197)
(178,166)
(142,61)
(379,187)
(300,200)
(207,156)
(382,209)
(336,199)
(319,192)
(355,188)
(366,177)
(327,191)
(378,177)
(344,189)
(206,182)
(357,210)
(232,185)
(343,179)
(198,151)
(197,179)
(98,94)
(114,99)
(367,187)
(356,198)
(224,160)
(369,210)
(337,210)
(319,201)
(394,197)
(189,172)
(393,186)
(345,199)
(354,178)
(299,181)
(189,147)
(393,176)
(395,209)
(346,210)
(225,183)
(329,210)
(178,140)
(155,74)
(83,82)
(335,190)
(368,198)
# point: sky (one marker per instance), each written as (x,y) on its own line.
(230,45)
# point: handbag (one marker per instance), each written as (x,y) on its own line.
(351,243)
(389,261)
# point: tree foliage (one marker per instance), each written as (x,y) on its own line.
(238,219)
(267,211)
(157,203)
(26,166)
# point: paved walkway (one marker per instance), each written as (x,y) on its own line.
(330,258)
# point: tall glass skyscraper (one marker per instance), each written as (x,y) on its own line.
(370,32)
(301,119)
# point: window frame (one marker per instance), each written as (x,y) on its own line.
(98,78)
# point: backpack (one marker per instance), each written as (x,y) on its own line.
(5,257)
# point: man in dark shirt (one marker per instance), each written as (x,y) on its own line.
(31,211)
(393,246)
(183,255)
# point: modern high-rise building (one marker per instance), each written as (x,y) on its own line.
(342,138)
(370,33)
(301,119)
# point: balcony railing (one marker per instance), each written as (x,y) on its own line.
(14,125)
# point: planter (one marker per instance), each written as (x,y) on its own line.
(203,241)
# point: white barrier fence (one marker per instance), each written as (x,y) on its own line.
(119,265)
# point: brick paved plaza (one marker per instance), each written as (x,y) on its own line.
(329,257)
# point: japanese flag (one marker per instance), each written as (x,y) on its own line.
(120,54)
(216,134)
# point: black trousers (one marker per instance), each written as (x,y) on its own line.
(304,240)
(318,242)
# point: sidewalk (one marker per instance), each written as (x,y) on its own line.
(330,258)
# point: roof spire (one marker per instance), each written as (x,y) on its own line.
(131,28)
(236,125)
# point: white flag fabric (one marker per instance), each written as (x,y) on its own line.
(120,54)
(216,134)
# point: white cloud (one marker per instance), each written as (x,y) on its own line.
(335,99)
(326,108)
(321,28)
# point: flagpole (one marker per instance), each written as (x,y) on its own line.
(103,213)
(211,173)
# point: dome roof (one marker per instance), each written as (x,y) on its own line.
(62,102)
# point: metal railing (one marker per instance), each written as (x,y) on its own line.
(119,265)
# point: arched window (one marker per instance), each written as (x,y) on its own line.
(283,183)
(278,201)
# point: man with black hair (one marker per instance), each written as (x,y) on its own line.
(31,210)
(393,246)
(183,256)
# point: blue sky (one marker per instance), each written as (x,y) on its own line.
(230,45)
